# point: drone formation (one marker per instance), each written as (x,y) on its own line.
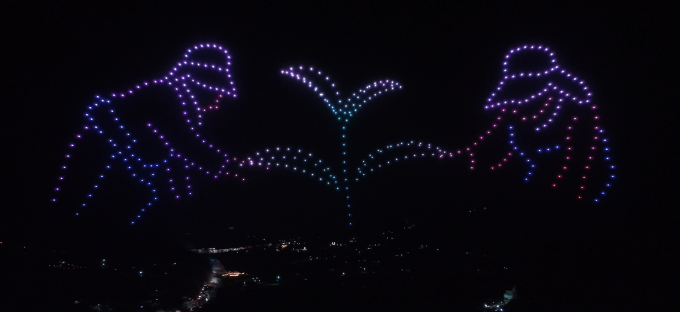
(555,103)
(146,171)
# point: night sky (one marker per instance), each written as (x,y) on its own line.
(448,59)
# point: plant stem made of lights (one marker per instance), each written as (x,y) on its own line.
(344,111)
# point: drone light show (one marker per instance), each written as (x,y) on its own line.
(537,109)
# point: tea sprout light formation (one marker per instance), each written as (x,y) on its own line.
(103,122)
(326,90)
(560,104)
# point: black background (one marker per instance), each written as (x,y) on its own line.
(56,57)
